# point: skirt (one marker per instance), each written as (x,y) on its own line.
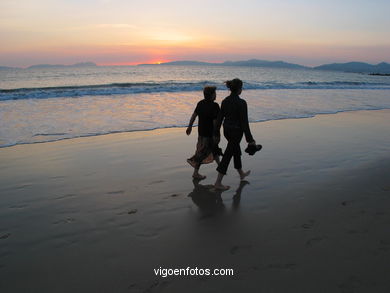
(205,152)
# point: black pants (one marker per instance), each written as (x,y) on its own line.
(233,136)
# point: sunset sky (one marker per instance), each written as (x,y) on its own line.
(144,31)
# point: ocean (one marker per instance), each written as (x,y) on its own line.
(48,104)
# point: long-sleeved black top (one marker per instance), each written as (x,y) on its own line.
(234,114)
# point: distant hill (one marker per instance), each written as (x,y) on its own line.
(358,67)
(251,63)
(82,64)
(263,63)
(6,68)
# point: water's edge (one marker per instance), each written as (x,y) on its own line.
(183,126)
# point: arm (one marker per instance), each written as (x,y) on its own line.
(218,122)
(244,122)
(216,135)
(192,120)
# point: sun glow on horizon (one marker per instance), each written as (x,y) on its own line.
(156,61)
(159,61)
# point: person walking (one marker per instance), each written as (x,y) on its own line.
(234,116)
(207,149)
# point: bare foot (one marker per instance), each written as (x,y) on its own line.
(192,163)
(198,176)
(221,187)
(244,174)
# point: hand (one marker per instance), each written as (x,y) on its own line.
(252,143)
(189,129)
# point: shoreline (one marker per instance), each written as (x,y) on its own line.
(181,127)
(99,214)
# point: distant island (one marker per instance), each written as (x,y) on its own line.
(248,63)
(6,68)
(81,64)
(380,69)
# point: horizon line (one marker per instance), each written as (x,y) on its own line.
(171,61)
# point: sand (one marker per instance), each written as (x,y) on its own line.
(99,214)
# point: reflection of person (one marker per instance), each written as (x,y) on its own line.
(209,199)
(234,115)
(237,196)
(207,147)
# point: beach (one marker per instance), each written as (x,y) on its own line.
(102,213)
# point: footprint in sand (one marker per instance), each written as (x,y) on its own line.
(308,225)
(287,266)
(65,221)
(353,231)
(5,236)
(354,283)
(147,287)
(116,192)
(24,186)
(312,241)
(346,202)
(156,182)
(384,245)
(19,206)
(236,248)
(147,235)
(57,177)
(133,211)
(156,286)
(66,196)
(130,212)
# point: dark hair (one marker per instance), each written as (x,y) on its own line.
(234,85)
(208,92)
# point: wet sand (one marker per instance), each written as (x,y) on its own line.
(99,214)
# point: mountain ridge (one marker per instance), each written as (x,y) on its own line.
(80,64)
(382,68)
(360,67)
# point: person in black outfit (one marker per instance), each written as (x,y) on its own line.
(234,115)
(207,147)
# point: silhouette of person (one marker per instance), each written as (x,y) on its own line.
(207,149)
(234,115)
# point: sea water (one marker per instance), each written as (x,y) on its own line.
(48,104)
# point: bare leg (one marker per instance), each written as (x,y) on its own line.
(196,174)
(243,174)
(218,183)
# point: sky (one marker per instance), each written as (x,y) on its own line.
(120,32)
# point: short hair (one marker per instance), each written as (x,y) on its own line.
(208,92)
(234,85)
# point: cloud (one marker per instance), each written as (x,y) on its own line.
(116,25)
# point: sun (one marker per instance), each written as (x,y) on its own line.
(158,61)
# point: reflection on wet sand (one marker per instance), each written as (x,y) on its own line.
(209,200)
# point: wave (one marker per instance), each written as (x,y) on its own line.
(152,87)
(66,136)
(99,90)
